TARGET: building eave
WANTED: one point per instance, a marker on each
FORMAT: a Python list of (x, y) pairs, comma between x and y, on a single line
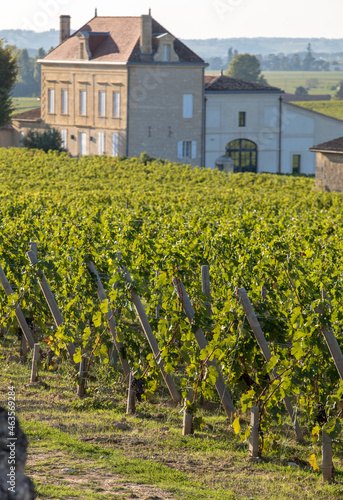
[(242, 91), (83, 62)]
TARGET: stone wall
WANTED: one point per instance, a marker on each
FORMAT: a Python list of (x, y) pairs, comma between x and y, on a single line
[(329, 171)]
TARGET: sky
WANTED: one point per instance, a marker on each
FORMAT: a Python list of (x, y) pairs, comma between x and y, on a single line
[(190, 19)]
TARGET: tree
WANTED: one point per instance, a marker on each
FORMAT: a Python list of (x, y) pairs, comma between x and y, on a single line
[(301, 91), (49, 139), (339, 93), (245, 67), (8, 75)]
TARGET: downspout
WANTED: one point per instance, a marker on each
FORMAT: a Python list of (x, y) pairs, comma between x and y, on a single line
[(280, 134), (127, 110), (203, 159)]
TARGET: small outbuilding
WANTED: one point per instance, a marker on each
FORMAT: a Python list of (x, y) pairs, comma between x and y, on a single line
[(329, 165)]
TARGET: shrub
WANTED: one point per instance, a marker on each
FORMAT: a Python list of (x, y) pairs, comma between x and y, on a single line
[(50, 139)]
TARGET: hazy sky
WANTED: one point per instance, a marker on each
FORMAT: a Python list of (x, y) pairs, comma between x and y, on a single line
[(190, 18)]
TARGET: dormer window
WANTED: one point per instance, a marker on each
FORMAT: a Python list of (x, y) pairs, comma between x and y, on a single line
[(165, 48), (166, 53)]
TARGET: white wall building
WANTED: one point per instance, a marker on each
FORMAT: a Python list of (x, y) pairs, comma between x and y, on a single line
[(261, 133)]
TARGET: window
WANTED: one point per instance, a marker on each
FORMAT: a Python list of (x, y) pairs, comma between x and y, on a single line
[(116, 104), (187, 149), (166, 53), (82, 143), (115, 143), (102, 103), (101, 143), (241, 119), (296, 162), (83, 102), (244, 154), (64, 138), (64, 102), (188, 106), (51, 101)]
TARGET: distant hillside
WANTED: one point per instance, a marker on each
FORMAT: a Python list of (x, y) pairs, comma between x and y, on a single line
[(216, 47), (30, 39)]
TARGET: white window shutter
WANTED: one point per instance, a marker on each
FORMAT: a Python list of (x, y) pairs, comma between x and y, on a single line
[(194, 149), (115, 142), (188, 106), (102, 103), (101, 143), (116, 104), (64, 138), (180, 149)]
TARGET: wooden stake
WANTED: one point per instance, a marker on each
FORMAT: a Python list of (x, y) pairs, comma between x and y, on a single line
[(187, 416), (131, 396), (223, 393), (206, 287), (151, 339), (331, 340), (35, 358), (81, 388), (111, 321), (49, 297), (254, 434), (18, 312), (261, 340), (327, 466), (23, 349)]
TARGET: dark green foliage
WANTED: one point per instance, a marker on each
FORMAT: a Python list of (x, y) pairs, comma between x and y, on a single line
[(245, 67), (50, 139), (301, 90), (8, 74)]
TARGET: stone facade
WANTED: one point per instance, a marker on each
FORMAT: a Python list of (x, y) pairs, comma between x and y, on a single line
[(329, 171), (101, 116), (124, 86)]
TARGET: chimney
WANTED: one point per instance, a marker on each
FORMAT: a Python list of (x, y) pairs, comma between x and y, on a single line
[(64, 28), (146, 34)]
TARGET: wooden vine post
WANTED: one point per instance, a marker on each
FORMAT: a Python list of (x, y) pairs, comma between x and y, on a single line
[(18, 312), (261, 340), (187, 427), (254, 432), (131, 396), (35, 358), (223, 393), (82, 382), (111, 321), (327, 465), (206, 287), (51, 301), (151, 338)]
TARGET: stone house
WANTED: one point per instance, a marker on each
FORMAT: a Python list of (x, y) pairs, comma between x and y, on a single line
[(252, 124), (124, 85), (329, 165)]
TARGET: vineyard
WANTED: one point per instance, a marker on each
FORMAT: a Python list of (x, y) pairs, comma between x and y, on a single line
[(124, 245)]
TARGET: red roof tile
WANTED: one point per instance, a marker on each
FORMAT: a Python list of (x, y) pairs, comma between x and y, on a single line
[(227, 83), (117, 40), (334, 146), (32, 114)]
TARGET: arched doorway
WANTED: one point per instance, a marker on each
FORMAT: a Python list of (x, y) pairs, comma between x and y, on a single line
[(244, 154)]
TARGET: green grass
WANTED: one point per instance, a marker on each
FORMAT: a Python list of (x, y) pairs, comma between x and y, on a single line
[(290, 80), (22, 104), (330, 108), (76, 452)]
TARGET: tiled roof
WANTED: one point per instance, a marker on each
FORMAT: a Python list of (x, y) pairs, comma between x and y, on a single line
[(117, 40), (227, 83), (33, 115), (335, 146)]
